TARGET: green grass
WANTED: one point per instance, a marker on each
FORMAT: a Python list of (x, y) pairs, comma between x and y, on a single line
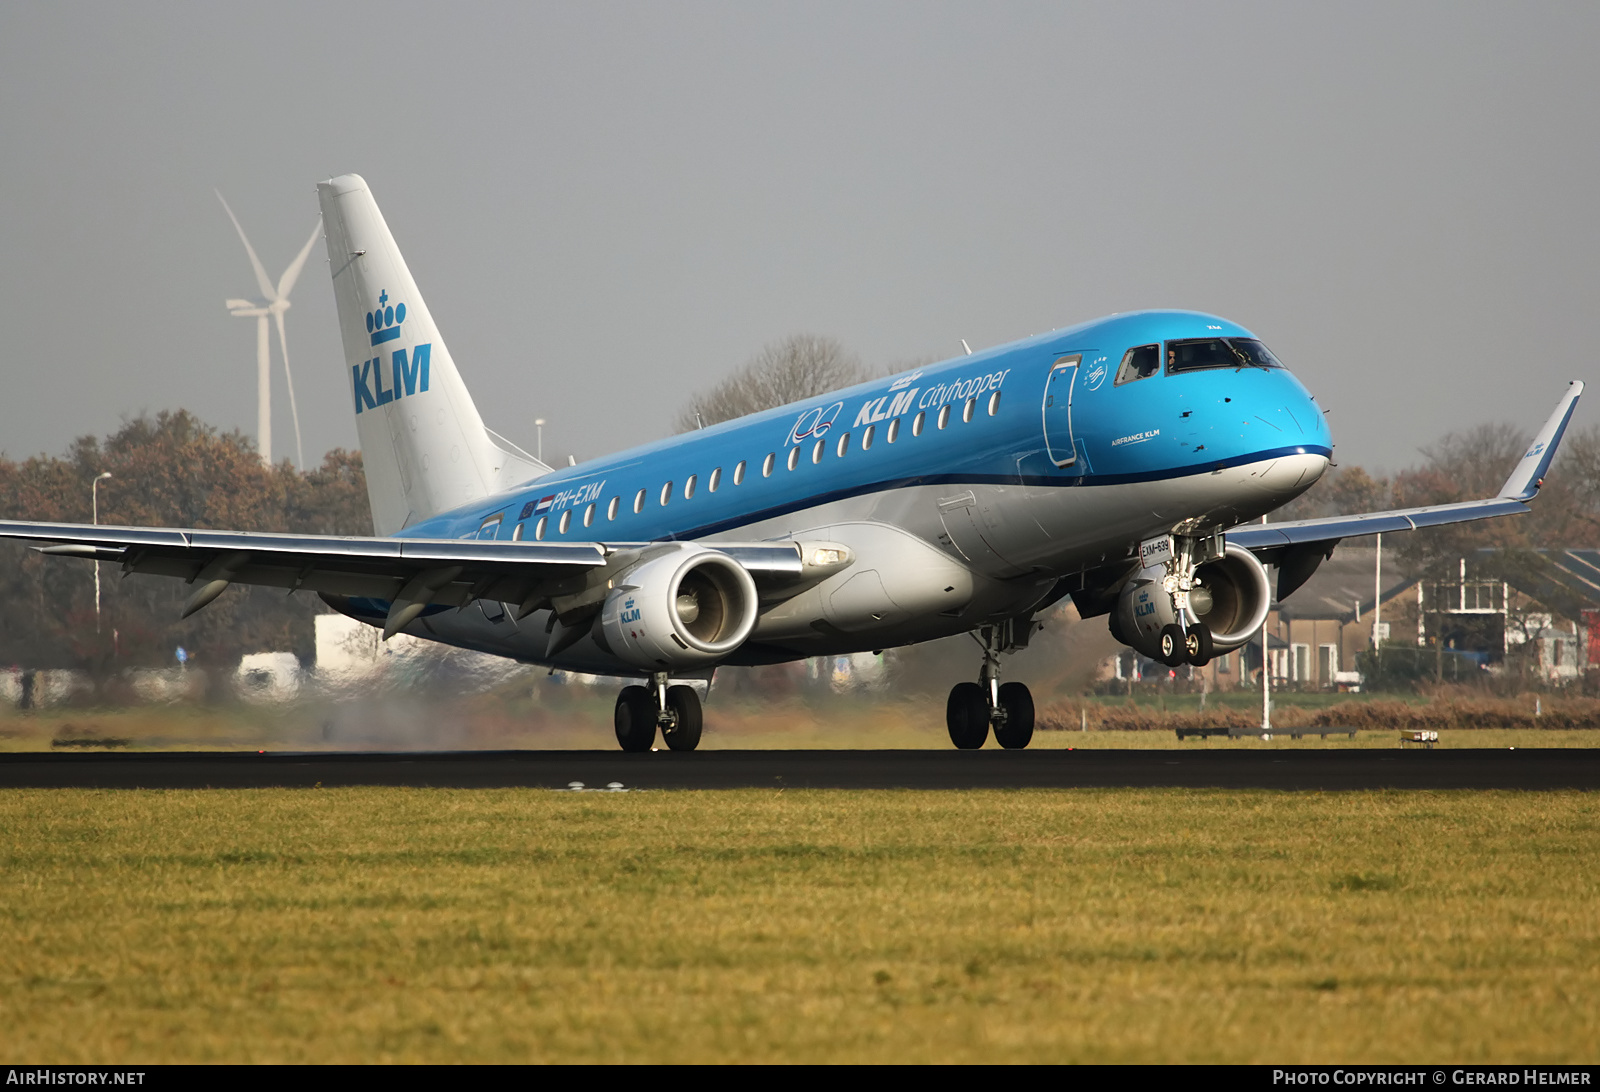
[(519, 925)]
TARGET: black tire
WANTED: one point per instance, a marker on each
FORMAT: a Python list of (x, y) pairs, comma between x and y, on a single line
[(1017, 731), (966, 714), (684, 704), (636, 719), (1171, 647), (1197, 644)]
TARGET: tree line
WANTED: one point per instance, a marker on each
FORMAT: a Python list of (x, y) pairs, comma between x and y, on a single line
[(170, 470)]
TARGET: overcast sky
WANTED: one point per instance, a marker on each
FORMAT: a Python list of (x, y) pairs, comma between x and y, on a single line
[(611, 205)]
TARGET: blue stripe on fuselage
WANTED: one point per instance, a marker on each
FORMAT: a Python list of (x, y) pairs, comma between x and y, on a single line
[(1162, 427)]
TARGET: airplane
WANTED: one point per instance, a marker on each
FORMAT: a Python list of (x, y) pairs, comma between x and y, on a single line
[(1120, 462)]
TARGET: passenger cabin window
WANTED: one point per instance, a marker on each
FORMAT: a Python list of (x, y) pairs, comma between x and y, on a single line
[(968, 410), (666, 494), (766, 465), (715, 480), (538, 528), (944, 415), (1197, 353), (817, 449), (1139, 362), (588, 515), (638, 502), (916, 422), (894, 430), (566, 521), (688, 486), (611, 509), (794, 457), (844, 444), (738, 473), (994, 403), (866, 437), (516, 534)]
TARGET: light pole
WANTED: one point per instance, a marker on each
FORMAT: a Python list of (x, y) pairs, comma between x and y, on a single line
[(94, 518), (538, 451)]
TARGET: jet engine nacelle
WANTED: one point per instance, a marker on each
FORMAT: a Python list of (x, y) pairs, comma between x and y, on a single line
[(1231, 596), (683, 609)]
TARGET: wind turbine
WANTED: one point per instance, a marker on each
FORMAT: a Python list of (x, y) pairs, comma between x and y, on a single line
[(276, 302)]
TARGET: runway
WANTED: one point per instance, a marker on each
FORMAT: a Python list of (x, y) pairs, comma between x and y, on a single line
[(1310, 770)]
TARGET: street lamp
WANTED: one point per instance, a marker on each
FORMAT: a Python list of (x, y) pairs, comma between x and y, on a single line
[(94, 518), (538, 423)]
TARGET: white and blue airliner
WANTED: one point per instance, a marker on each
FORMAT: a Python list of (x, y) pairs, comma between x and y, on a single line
[(1120, 462)]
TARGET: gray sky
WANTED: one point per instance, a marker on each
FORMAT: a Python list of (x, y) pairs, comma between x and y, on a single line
[(610, 205)]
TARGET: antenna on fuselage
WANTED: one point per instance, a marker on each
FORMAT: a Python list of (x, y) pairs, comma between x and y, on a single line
[(965, 346)]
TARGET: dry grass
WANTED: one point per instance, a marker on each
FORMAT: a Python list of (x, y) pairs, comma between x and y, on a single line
[(583, 721), (1450, 714), (517, 925)]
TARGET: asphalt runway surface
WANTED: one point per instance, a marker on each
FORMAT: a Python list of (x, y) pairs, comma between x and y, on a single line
[(1308, 770)]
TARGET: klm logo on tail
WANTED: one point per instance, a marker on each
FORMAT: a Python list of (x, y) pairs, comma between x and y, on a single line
[(408, 373)]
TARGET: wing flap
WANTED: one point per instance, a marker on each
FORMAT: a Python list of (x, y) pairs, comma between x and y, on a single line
[(358, 567), (1265, 536), (378, 568)]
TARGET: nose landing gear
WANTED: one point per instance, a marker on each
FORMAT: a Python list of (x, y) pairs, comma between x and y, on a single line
[(673, 709), (1188, 641), (973, 708)]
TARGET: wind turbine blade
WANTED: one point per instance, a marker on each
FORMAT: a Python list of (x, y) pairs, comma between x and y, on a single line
[(286, 282), (261, 274), (299, 451)]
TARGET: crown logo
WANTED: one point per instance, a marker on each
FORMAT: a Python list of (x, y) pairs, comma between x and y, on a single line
[(384, 323)]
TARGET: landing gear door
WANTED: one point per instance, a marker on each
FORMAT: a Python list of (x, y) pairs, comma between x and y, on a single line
[(1058, 438)]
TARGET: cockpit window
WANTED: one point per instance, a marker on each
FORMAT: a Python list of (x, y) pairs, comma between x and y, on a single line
[(1193, 354), (1258, 353), (1139, 362)]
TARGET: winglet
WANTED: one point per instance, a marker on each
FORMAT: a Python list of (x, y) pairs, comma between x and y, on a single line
[(1529, 474)]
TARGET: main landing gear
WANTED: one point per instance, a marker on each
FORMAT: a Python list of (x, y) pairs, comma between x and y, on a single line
[(974, 708), (643, 709)]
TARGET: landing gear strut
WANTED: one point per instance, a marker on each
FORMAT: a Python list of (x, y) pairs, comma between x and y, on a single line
[(673, 709), (1189, 641), (974, 708)]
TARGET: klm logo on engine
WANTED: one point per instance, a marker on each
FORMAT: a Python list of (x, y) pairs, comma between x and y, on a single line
[(406, 373)]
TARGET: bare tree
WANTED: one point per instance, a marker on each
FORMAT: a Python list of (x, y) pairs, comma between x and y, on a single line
[(797, 367)]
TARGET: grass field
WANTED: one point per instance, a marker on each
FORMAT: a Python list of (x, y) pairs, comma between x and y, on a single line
[(520, 925)]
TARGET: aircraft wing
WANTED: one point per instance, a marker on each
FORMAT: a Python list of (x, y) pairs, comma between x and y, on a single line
[(1521, 487), (408, 573)]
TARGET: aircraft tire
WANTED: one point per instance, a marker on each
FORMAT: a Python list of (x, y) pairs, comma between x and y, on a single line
[(685, 705), (1197, 644), (636, 719), (1017, 731), (1171, 646), (966, 715)]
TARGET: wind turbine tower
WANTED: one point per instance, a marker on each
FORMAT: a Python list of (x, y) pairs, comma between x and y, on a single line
[(274, 303)]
